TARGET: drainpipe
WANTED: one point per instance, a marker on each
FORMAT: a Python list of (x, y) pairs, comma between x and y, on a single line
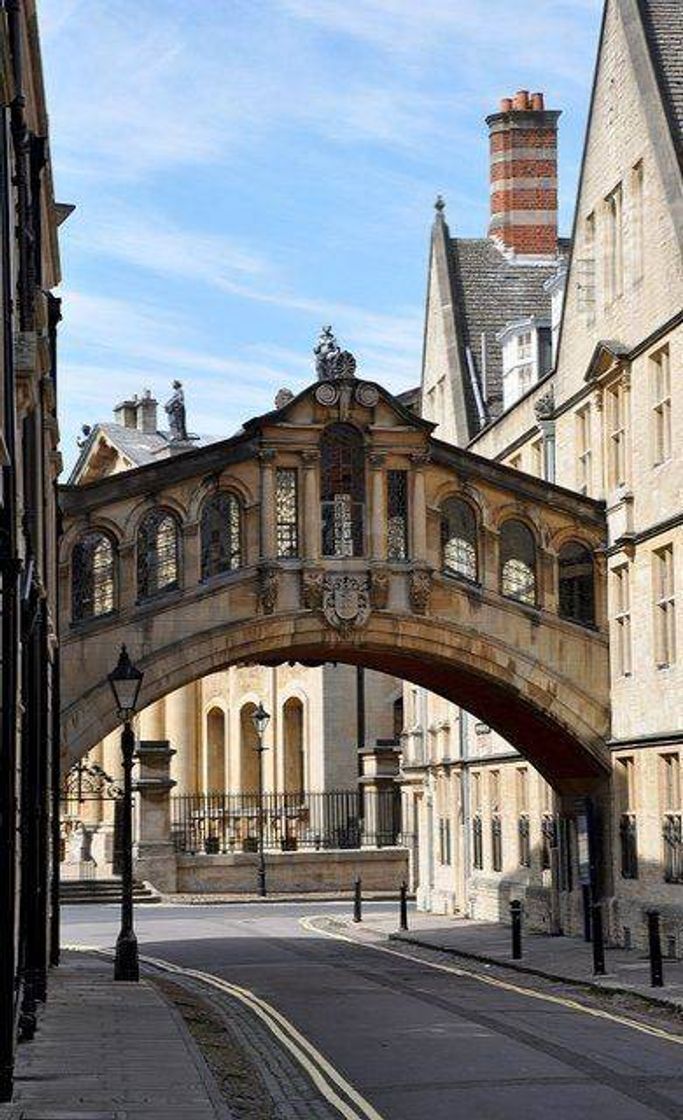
[(466, 807)]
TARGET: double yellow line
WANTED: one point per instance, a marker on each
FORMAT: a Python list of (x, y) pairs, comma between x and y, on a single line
[(332, 1085), (493, 982)]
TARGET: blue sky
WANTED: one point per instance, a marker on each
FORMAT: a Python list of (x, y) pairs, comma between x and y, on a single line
[(246, 170)]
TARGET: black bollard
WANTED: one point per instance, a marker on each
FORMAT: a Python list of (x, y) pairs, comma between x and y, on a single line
[(357, 902), (403, 907), (654, 939), (598, 940), (516, 916)]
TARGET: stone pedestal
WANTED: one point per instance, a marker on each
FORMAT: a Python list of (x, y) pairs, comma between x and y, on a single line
[(154, 854)]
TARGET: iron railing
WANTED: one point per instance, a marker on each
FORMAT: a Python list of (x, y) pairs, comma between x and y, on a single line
[(219, 823), (628, 837), (672, 832)]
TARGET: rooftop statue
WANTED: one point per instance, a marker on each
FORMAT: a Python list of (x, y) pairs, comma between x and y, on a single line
[(175, 410), (331, 363)]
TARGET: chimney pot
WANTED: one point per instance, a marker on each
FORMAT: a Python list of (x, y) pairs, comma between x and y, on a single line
[(537, 102), (505, 104), (521, 99)]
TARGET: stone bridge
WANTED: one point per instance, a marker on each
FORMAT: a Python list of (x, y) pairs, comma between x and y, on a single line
[(337, 528)]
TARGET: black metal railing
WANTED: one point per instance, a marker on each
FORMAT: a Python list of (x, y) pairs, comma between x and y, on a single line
[(672, 832), (628, 838), (218, 823)]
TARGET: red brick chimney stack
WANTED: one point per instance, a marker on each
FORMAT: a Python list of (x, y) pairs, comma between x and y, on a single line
[(523, 137)]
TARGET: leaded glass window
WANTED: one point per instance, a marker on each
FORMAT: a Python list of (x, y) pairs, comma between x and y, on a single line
[(518, 562), (220, 535), (93, 572), (397, 514), (577, 592), (459, 538), (287, 508), (158, 553), (342, 490)]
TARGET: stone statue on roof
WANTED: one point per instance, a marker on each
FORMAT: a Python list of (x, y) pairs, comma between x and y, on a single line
[(331, 363), (175, 410)]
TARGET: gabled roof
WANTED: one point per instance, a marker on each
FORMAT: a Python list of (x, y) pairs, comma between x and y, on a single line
[(607, 353), (663, 25), (491, 291), (138, 448)]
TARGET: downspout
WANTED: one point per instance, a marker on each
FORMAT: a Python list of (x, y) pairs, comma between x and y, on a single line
[(466, 809)]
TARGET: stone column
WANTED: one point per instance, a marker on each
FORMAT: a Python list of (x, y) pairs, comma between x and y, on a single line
[(310, 507), (127, 589), (378, 511), (181, 732), (154, 854), (268, 534), (418, 517)]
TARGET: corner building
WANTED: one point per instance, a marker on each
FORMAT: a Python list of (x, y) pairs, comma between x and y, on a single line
[(565, 361)]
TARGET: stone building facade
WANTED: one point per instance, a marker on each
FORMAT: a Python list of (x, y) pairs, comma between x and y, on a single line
[(29, 465), (603, 419)]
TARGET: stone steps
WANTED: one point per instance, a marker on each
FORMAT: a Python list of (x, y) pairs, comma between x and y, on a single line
[(75, 891)]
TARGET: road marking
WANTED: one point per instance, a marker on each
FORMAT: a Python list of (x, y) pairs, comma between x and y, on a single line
[(493, 982), (329, 1081)]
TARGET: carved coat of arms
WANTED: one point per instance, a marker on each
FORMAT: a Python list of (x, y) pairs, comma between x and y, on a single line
[(346, 601)]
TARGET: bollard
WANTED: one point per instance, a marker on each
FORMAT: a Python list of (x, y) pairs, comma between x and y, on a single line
[(598, 940), (357, 902), (586, 898), (403, 907), (656, 970), (516, 916)]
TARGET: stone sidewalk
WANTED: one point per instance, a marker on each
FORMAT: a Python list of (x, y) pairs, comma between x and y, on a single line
[(110, 1051), (557, 958)]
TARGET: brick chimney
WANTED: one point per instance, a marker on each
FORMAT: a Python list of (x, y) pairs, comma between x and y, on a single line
[(523, 139)]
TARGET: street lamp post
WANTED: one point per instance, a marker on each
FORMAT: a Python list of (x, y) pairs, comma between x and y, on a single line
[(260, 718), (125, 681)]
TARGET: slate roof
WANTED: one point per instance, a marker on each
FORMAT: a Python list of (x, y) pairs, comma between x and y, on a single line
[(139, 447), (663, 24), (491, 291)]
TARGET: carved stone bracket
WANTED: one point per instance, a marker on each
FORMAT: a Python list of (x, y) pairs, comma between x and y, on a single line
[(420, 459), (544, 407), (379, 588), (268, 586), (312, 582), (346, 602), (420, 589)]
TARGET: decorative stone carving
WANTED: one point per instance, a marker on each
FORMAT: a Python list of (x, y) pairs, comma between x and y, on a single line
[(544, 407), (312, 583), (268, 586), (367, 395), (420, 590), (346, 602), (327, 394), (420, 459), (175, 410), (331, 363), (379, 588), (283, 397)]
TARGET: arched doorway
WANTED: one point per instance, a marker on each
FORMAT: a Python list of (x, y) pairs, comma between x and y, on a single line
[(249, 755), (293, 737), (215, 751)]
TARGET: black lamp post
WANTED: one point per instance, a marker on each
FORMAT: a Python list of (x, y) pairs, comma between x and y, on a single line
[(260, 719), (125, 681)]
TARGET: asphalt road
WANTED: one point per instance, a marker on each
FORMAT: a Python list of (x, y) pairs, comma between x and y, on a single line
[(418, 1043)]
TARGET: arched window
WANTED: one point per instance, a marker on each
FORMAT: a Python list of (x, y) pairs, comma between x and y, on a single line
[(293, 728), (342, 490), (215, 751), (577, 588), (249, 755), (518, 562), (220, 535), (93, 576), (459, 538), (158, 553)]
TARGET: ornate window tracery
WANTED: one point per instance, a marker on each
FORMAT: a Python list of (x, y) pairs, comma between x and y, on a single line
[(220, 532), (93, 576), (342, 490), (518, 562), (158, 553), (287, 510), (577, 587), (397, 515), (459, 538)]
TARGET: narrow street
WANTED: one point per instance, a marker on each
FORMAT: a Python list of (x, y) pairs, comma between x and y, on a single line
[(414, 1040)]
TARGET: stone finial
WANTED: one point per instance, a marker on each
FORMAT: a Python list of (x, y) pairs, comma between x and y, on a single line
[(439, 205), (283, 397), (82, 439), (331, 363)]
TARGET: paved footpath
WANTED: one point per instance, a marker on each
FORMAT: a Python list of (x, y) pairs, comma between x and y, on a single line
[(110, 1051), (558, 958)]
